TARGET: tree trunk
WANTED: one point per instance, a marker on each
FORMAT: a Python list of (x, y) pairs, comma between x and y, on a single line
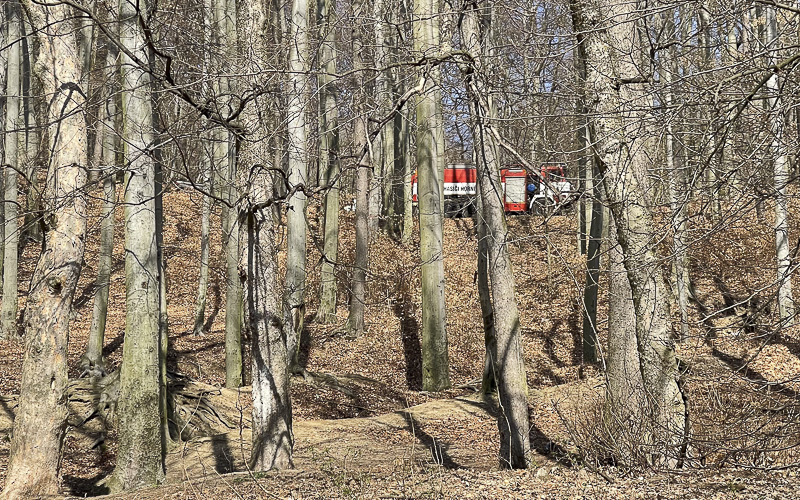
[(202, 288), (508, 363), (294, 292), (435, 362), (489, 380), (272, 408), (781, 178), (225, 13), (355, 321), (592, 275), (8, 313), (611, 56), (40, 423), (140, 441), (625, 394), (329, 152)]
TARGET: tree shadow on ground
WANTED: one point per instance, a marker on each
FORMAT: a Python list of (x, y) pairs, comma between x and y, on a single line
[(223, 455), (439, 449), (409, 335), (739, 365), (304, 343), (114, 344), (216, 305), (539, 441), (88, 292), (86, 486)]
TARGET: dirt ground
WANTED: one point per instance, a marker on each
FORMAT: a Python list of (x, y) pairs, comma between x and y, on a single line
[(364, 429)]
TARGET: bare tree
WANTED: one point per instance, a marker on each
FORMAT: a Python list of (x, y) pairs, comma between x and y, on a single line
[(35, 457)]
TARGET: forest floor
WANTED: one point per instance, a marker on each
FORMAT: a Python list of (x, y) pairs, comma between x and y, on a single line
[(363, 427)]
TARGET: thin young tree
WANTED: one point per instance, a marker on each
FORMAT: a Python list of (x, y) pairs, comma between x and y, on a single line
[(329, 153), (92, 361), (355, 321), (14, 124), (41, 416)]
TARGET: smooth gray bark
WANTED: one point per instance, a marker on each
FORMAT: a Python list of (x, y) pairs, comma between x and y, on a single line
[(612, 55), (8, 312), (298, 86), (435, 361), (781, 177), (272, 409), (508, 362), (625, 394), (329, 152)]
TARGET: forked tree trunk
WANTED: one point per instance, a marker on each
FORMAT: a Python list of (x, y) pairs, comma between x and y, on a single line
[(508, 362), (612, 57), (299, 66), (435, 360), (140, 441), (35, 455), (329, 152), (355, 321), (8, 312)]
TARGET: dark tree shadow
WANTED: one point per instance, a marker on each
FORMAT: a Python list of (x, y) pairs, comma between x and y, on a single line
[(739, 366), (409, 335), (89, 290), (216, 304), (223, 455), (86, 486), (439, 449), (304, 343), (114, 344)]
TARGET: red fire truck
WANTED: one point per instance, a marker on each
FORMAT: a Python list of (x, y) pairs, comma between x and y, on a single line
[(460, 189)]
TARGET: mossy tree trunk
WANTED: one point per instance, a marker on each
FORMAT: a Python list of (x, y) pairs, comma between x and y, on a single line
[(140, 440), (435, 360)]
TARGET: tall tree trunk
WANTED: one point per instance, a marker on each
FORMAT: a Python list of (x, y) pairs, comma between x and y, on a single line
[(612, 55), (272, 408), (8, 313), (92, 361), (385, 88), (225, 13), (592, 276), (202, 288), (677, 183), (299, 67), (786, 309), (3, 103), (508, 363), (435, 361), (355, 321), (140, 442), (489, 380), (329, 152), (40, 423)]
